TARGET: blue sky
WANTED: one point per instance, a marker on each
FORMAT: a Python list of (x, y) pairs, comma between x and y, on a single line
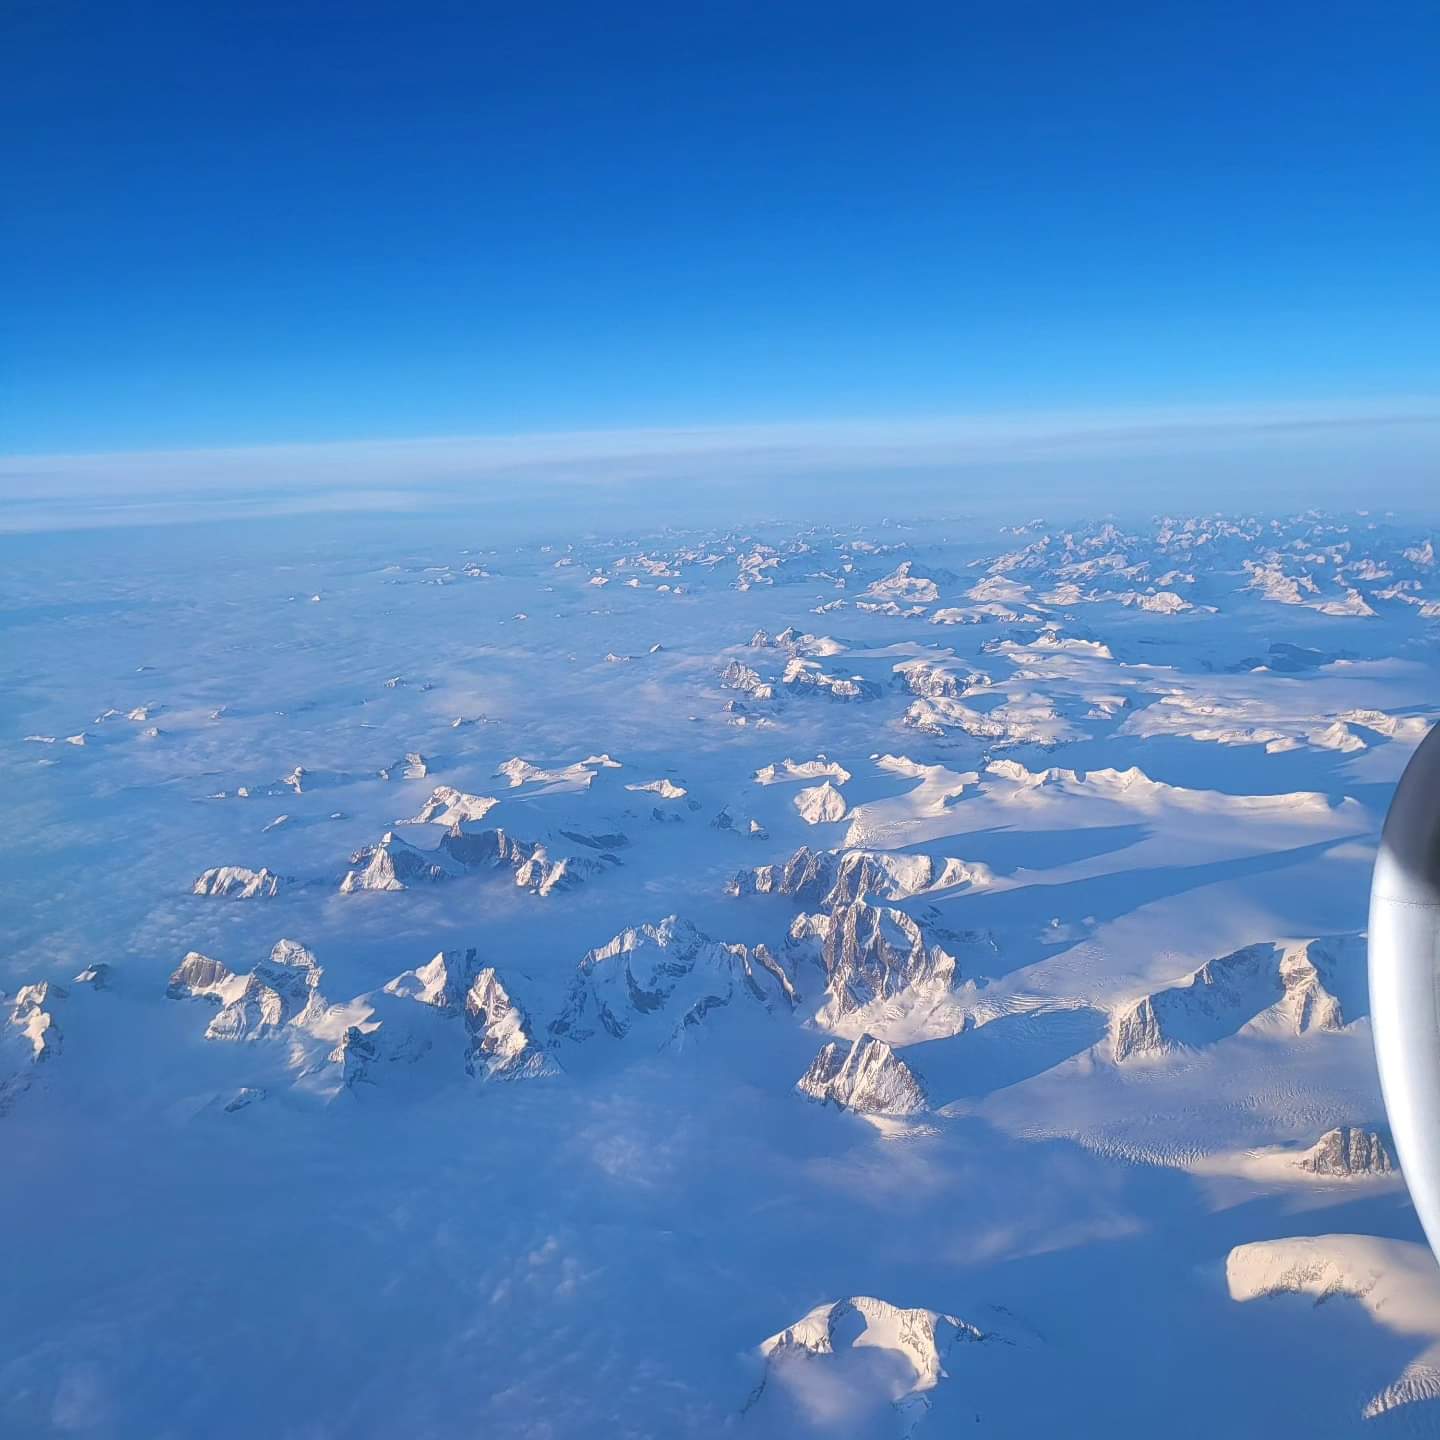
[(243, 225)]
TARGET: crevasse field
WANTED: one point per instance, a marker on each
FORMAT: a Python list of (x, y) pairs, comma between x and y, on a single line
[(900, 979)]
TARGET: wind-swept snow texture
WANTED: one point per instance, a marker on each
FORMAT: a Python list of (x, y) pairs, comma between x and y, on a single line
[(762, 982)]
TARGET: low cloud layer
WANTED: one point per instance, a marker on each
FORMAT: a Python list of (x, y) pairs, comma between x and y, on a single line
[(1054, 455)]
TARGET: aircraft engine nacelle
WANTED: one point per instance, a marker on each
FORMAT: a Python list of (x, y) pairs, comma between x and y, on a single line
[(1405, 977)]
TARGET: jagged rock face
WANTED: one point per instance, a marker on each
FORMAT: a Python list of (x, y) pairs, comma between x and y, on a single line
[(868, 953), (806, 676), (282, 992), (544, 876), (479, 849), (293, 954), (238, 883), (861, 873), (449, 806), (781, 640), (746, 679), (1348, 1151), (671, 968), (360, 1051), (257, 1010), (97, 976), (391, 865), (825, 878), (1024, 718), (197, 976), (1305, 972), (273, 996), (1136, 1030), (499, 1043), (531, 863), (1228, 992), (502, 1046), (868, 1077), (933, 717), (934, 680), (355, 1054), (807, 876), (441, 982)]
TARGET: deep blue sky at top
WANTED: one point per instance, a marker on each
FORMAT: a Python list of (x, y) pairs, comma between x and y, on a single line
[(235, 223)]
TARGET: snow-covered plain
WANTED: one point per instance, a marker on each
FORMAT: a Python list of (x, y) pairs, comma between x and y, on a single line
[(420, 981)]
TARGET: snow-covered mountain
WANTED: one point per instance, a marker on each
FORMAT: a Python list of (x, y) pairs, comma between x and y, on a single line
[(868, 1077), (920, 1342), (1289, 984), (449, 806), (530, 861), (395, 864), (253, 1003), (392, 863), (820, 804), (663, 981), (32, 1015), (877, 964), (1346, 1150), (825, 878), (502, 1040), (902, 584), (239, 883)]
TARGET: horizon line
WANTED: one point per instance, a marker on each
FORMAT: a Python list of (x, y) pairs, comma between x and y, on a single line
[(995, 430)]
